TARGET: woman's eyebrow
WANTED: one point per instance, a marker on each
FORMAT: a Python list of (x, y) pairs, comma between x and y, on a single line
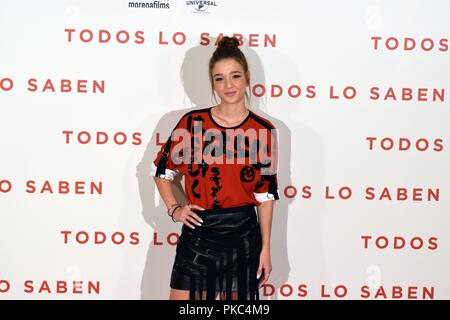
[(220, 74)]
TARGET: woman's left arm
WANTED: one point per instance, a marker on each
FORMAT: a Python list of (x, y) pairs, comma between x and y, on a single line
[(265, 213)]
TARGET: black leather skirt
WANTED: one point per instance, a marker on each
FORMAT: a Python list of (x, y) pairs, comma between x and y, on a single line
[(220, 256)]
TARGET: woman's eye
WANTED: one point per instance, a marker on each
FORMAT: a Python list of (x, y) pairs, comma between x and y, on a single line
[(236, 76), (218, 79)]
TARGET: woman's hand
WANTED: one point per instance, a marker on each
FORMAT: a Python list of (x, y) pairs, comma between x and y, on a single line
[(187, 216), (265, 267)]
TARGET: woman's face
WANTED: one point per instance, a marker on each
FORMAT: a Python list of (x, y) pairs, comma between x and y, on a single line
[(229, 80)]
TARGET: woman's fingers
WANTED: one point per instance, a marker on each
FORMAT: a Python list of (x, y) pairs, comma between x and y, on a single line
[(189, 217), (194, 206), (196, 217), (193, 220), (188, 224), (186, 217), (263, 280), (265, 276)]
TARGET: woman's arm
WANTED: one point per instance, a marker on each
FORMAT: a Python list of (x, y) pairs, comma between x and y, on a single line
[(265, 213), (182, 214), (165, 190)]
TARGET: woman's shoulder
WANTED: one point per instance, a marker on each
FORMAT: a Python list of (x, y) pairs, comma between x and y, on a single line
[(263, 121), (190, 116), (195, 112)]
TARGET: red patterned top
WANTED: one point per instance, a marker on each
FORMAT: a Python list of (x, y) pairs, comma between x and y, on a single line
[(223, 166)]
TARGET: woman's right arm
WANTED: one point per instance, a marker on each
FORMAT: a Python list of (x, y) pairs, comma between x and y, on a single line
[(182, 214)]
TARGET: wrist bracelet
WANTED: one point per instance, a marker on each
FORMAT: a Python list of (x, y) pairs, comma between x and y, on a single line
[(170, 208), (173, 211)]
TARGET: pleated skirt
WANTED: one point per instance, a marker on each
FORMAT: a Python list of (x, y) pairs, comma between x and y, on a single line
[(220, 256)]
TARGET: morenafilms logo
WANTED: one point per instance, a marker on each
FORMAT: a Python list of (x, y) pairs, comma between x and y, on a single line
[(149, 5), (201, 6)]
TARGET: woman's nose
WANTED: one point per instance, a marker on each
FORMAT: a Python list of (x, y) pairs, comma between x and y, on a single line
[(227, 83)]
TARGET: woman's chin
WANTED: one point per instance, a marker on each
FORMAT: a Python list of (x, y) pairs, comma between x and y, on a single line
[(234, 99)]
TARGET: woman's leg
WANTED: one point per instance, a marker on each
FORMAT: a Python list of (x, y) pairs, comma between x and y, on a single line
[(176, 294), (223, 296)]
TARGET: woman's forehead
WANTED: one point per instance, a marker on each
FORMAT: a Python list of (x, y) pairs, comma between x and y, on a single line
[(227, 66)]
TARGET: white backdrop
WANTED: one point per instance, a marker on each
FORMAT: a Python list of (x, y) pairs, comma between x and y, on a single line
[(363, 172)]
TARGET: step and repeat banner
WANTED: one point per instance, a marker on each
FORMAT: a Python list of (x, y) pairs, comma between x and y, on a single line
[(359, 93)]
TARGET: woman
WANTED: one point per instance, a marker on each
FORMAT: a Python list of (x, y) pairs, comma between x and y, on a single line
[(224, 246)]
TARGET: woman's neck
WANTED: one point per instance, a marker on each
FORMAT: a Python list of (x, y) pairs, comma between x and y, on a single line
[(231, 112)]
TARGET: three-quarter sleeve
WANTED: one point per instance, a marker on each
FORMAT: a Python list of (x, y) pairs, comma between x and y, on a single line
[(267, 187)]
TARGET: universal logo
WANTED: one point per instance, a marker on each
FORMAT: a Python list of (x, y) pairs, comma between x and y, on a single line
[(149, 5), (201, 6)]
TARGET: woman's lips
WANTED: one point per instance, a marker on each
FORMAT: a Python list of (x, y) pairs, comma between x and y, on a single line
[(230, 93)]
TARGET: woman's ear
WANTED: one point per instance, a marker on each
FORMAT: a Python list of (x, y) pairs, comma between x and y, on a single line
[(247, 77)]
